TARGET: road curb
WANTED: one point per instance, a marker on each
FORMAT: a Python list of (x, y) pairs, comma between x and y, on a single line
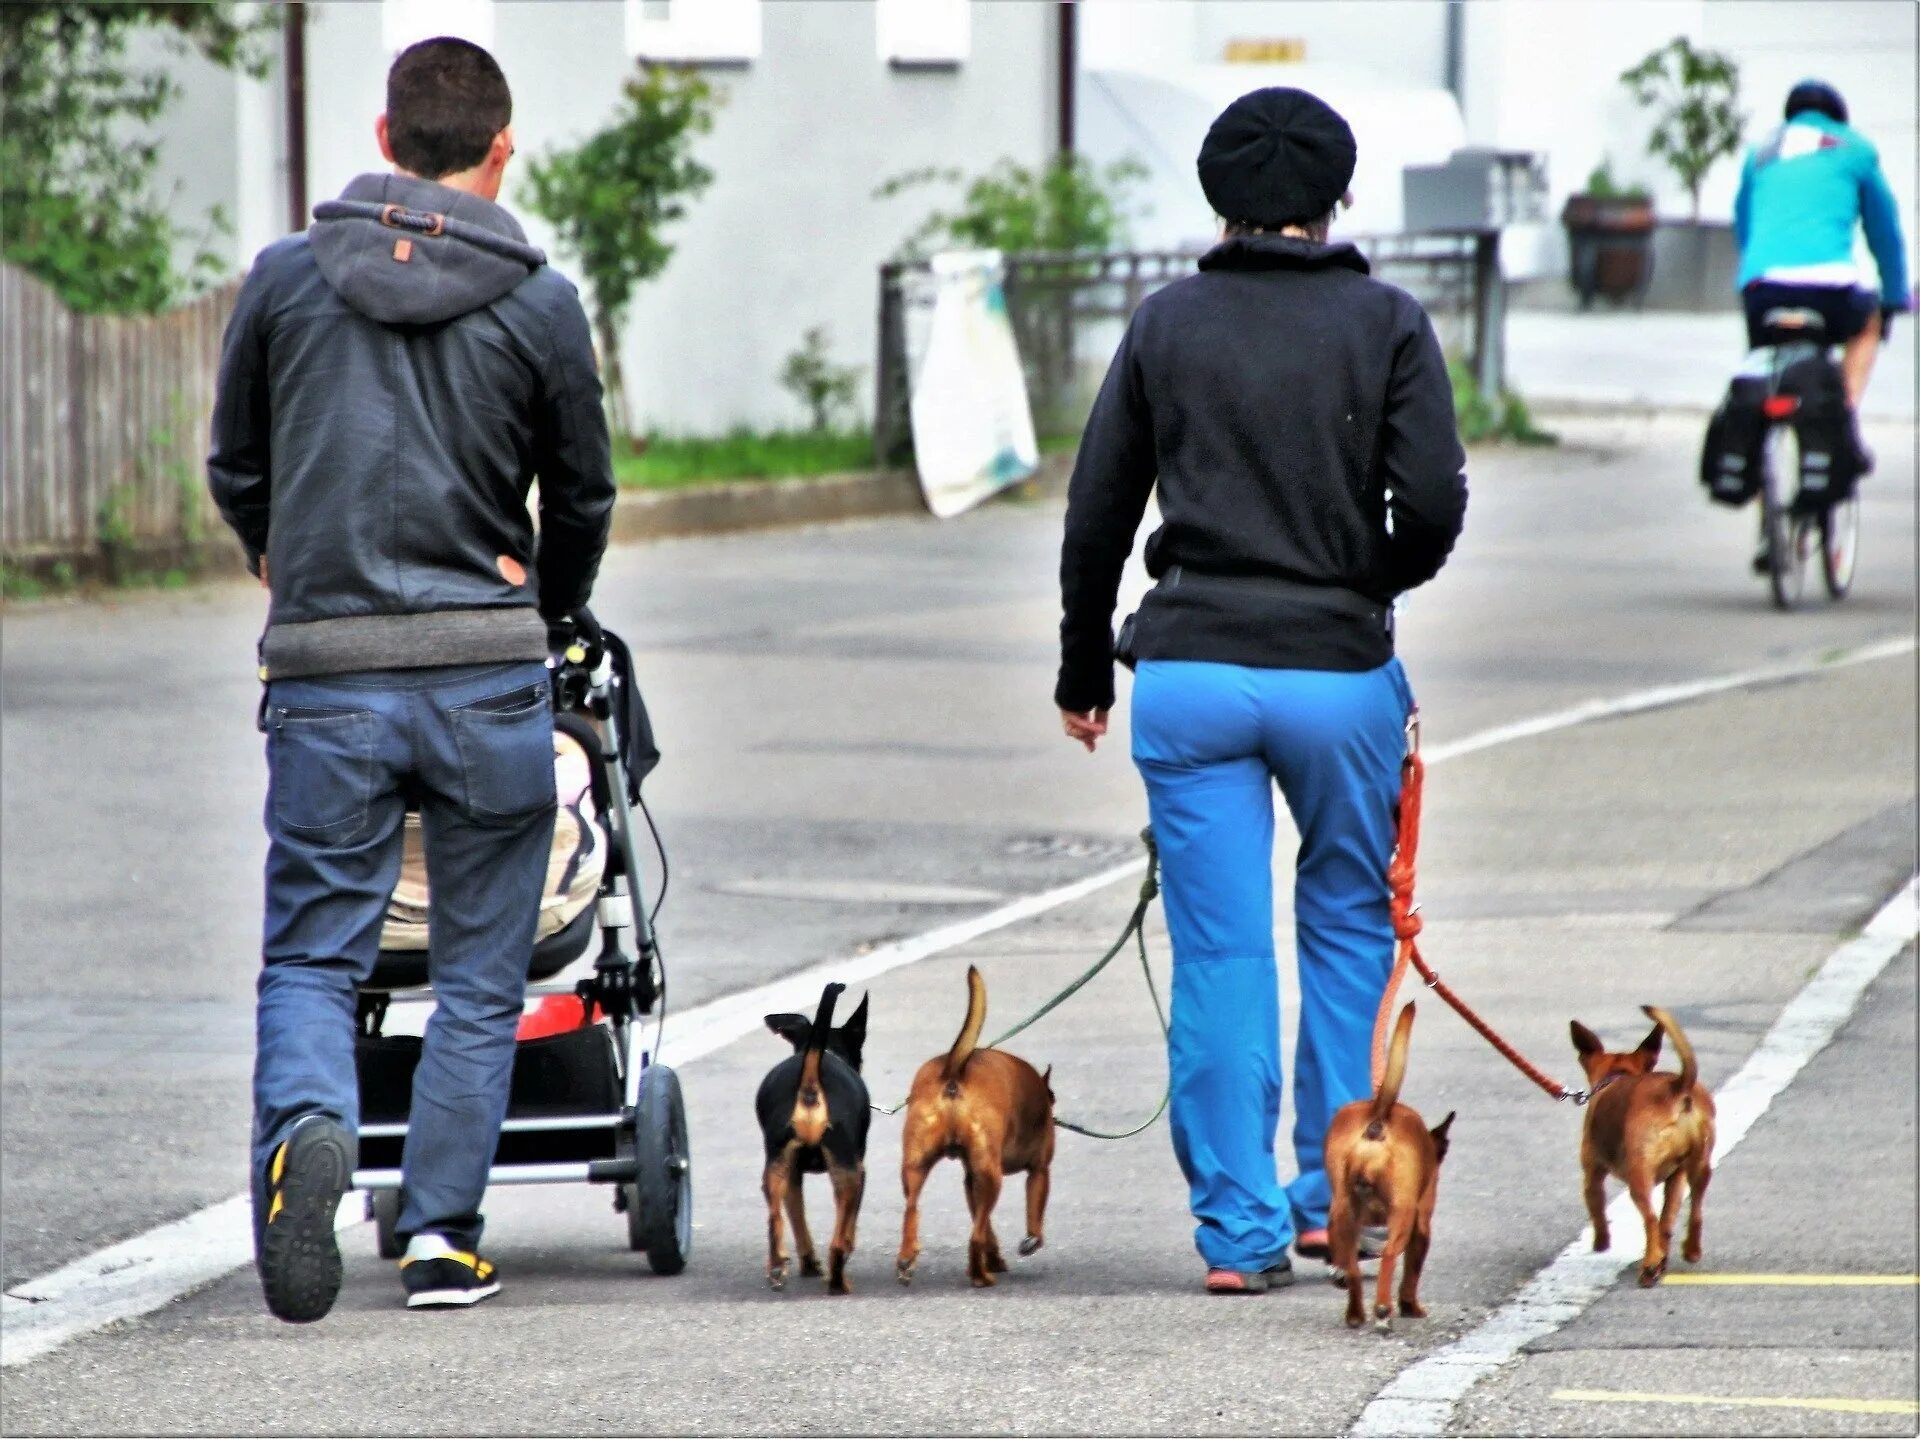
[(736, 506)]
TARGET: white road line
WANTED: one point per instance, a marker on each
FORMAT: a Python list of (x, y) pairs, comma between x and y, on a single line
[(136, 1277), (1421, 1399)]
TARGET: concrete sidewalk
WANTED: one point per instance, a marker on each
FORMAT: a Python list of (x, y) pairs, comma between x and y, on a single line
[(1651, 360)]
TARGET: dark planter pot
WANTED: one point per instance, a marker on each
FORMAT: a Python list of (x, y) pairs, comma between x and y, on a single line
[(1609, 242)]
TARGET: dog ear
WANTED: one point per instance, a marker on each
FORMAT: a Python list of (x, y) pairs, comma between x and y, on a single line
[(1650, 1046), (1046, 1080), (1585, 1041), (794, 1028), (855, 1029), (1440, 1132)]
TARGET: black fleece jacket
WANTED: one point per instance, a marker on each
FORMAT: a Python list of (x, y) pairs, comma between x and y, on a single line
[(1297, 417)]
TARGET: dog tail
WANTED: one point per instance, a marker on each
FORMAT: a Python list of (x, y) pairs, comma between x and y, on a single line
[(969, 1035), (809, 1106), (1388, 1094), (1689, 1071)]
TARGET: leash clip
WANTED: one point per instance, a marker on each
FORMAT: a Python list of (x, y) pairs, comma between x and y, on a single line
[(1578, 1096), (1413, 730)]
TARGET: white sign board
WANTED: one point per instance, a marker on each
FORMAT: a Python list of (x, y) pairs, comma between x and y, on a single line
[(972, 425)]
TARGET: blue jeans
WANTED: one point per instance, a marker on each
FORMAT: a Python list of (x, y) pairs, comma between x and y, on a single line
[(1210, 740), (474, 744)]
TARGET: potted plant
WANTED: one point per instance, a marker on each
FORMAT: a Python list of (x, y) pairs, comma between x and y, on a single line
[(1693, 97), (1608, 231)]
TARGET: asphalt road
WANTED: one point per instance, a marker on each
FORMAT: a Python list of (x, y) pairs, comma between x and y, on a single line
[(859, 747)]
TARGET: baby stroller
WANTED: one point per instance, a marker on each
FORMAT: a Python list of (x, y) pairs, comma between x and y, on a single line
[(588, 1103)]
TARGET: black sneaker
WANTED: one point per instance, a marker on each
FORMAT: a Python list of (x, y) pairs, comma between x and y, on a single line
[(298, 1255), (438, 1276)]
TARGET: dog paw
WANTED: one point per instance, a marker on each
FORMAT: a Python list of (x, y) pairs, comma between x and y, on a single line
[(1382, 1323), (1030, 1245), (1412, 1309), (1602, 1242), (983, 1279), (840, 1286), (1692, 1253), (777, 1276), (1650, 1275), (1355, 1319), (810, 1267), (903, 1270)]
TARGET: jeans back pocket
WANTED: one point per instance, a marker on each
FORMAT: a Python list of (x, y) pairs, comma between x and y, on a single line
[(506, 752), (320, 764)]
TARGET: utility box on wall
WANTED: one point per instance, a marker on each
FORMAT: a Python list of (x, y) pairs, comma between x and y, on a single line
[(1476, 189)]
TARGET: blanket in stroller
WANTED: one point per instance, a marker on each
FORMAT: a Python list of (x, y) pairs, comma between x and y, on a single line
[(574, 865)]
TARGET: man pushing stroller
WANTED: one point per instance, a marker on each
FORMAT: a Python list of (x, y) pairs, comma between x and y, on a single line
[(392, 382)]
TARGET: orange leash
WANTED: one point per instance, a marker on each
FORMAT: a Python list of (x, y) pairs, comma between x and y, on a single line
[(1407, 925)]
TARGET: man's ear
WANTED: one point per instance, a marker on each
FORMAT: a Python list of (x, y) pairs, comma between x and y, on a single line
[(386, 144), (1585, 1041), (794, 1028)]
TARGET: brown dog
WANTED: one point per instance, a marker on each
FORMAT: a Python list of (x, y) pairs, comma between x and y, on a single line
[(1384, 1166), (994, 1113), (1646, 1128)]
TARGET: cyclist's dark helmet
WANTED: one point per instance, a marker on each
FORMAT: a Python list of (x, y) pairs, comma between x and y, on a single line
[(1818, 96)]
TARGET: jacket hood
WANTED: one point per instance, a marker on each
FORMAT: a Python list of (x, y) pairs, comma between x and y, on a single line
[(405, 251), (1281, 252)]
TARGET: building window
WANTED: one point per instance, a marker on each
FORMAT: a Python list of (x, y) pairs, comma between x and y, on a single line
[(923, 34), (698, 32), (403, 22)]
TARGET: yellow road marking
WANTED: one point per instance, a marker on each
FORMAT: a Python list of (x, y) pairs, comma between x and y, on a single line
[(1832, 1406), (1807, 1280)]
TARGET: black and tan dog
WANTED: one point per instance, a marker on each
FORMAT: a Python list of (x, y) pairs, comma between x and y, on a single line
[(1646, 1128), (994, 1113), (814, 1115), (1384, 1166)]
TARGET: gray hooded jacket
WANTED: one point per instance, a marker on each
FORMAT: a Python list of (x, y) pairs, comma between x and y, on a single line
[(391, 384)]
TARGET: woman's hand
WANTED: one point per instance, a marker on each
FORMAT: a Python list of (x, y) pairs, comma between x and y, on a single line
[(1086, 728)]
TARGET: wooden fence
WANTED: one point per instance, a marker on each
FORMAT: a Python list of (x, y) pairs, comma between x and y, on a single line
[(103, 426)]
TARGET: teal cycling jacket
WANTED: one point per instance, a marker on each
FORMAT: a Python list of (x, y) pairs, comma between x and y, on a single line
[(1802, 191)]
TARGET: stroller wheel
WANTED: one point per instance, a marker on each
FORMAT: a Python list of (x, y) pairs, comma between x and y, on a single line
[(660, 1200), (383, 1208)]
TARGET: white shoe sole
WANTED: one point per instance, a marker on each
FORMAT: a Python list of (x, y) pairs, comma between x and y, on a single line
[(451, 1298)]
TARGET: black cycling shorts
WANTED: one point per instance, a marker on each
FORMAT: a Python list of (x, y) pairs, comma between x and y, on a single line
[(1845, 309)]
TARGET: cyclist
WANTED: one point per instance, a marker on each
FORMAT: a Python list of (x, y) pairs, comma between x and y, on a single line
[(1802, 191)]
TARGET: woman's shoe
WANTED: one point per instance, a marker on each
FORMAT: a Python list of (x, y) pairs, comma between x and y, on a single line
[(1250, 1281), (1313, 1243)]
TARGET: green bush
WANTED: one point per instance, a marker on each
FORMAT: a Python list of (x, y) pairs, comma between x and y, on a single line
[(1068, 204), (824, 389)]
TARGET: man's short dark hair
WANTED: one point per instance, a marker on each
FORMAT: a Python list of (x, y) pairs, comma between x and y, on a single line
[(446, 100)]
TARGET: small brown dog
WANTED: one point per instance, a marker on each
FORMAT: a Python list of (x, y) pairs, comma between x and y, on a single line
[(994, 1113), (1384, 1166), (1646, 1128)]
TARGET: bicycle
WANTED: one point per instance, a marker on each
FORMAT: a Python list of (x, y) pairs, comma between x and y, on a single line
[(1791, 523)]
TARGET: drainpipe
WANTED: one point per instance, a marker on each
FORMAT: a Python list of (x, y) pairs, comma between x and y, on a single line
[(293, 31), (1456, 52), (1069, 73)]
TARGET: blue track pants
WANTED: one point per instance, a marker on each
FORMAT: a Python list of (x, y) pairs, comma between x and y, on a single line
[(1210, 740)]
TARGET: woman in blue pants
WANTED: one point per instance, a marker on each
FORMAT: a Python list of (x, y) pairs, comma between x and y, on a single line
[(1296, 419)]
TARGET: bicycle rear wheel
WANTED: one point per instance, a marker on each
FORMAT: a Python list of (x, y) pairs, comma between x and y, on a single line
[(1787, 539), (1840, 545)]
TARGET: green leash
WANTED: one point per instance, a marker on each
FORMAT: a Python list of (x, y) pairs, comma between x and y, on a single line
[(1136, 931)]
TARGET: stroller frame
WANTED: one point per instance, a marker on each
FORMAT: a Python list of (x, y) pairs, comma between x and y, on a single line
[(638, 1143)]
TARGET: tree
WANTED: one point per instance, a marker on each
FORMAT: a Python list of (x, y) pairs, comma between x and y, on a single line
[(1694, 96), (77, 154), (824, 389), (612, 196), (1068, 204)]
